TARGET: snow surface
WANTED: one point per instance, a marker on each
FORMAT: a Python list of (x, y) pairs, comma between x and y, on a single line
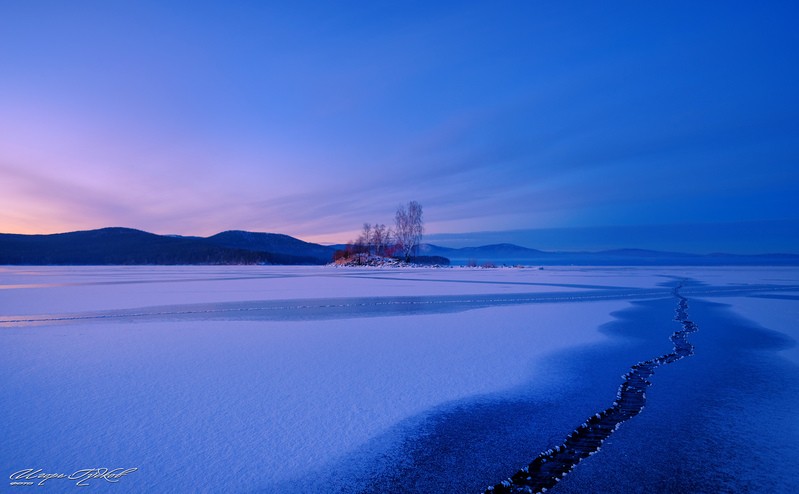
[(777, 314), (240, 404)]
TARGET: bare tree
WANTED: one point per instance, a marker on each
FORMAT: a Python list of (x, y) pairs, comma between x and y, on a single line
[(409, 228), (367, 238), (415, 214), (380, 239)]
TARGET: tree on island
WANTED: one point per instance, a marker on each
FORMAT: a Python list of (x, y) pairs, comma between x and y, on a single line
[(380, 240), (366, 239), (408, 229), (376, 240)]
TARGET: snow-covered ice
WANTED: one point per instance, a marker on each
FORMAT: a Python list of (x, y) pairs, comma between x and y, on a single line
[(187, 374)]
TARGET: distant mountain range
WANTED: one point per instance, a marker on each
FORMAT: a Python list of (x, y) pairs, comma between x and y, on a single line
[(510, 254), (120, 246), (128, 246)]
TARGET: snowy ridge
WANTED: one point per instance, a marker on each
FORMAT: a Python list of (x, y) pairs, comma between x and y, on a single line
[(546, 470)]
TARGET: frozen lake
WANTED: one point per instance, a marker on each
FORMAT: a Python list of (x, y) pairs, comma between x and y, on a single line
[(317, 379)]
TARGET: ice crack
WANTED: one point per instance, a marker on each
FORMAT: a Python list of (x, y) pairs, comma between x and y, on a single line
[(546, 470)]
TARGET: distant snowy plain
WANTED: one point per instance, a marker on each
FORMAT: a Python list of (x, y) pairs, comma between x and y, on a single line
[(318, 379)]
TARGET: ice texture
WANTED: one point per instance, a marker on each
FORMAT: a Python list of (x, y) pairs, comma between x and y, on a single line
[(252, 379)]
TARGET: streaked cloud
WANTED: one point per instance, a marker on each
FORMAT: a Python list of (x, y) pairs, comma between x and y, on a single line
[(191, 119)]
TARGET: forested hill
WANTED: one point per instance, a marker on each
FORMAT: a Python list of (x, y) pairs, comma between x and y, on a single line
[(275, 243), (108, 246)]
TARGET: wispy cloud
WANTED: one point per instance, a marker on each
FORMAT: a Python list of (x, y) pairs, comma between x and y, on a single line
[(312, 121)]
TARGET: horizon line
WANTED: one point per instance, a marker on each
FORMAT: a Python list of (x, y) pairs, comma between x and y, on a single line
[(487, 243)]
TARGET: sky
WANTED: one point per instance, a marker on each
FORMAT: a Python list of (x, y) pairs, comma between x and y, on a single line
[(310, 118)]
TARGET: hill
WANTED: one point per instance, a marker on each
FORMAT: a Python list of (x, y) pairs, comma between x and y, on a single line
[(275, 243), (128, 246)]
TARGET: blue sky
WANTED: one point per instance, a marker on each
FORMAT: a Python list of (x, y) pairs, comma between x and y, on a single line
[(309, 118)]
